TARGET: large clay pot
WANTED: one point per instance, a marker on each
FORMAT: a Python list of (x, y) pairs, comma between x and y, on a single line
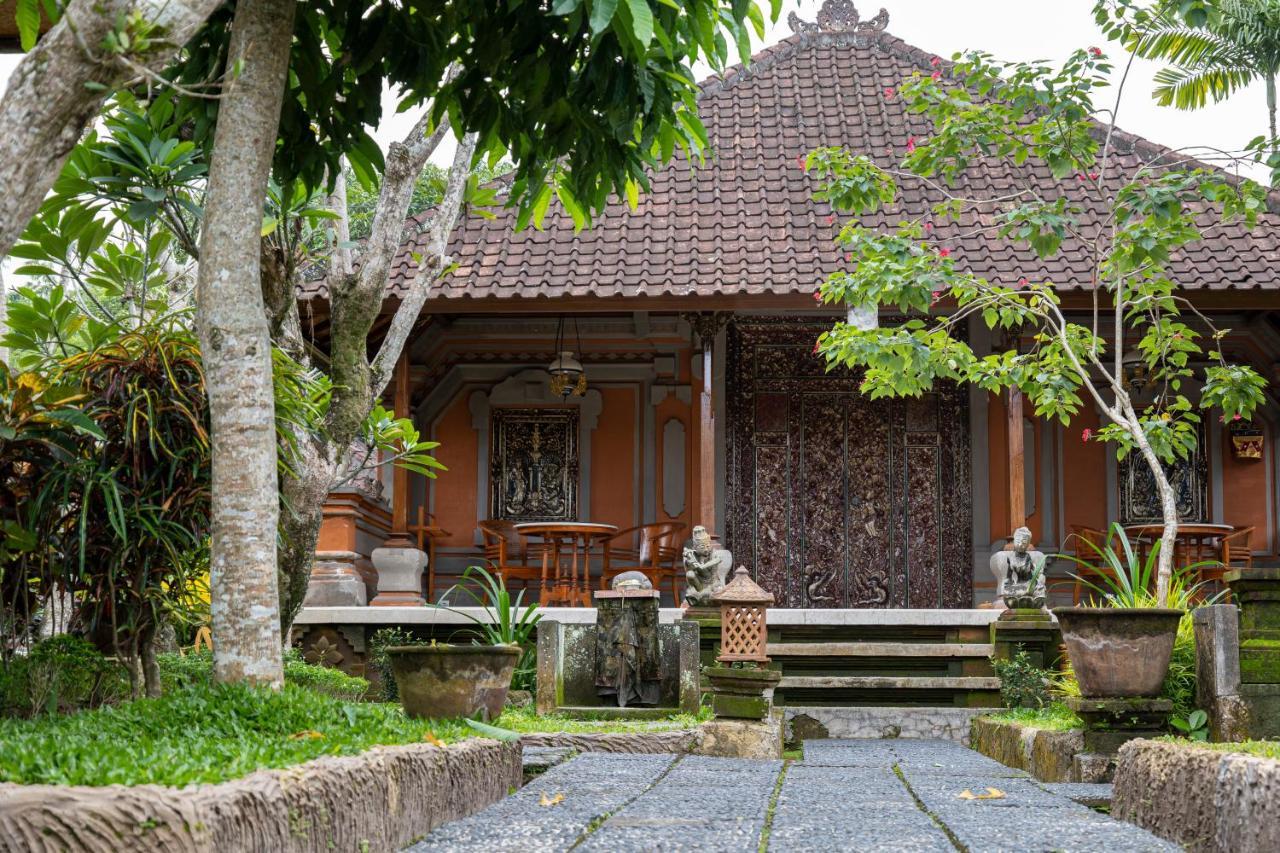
[(1119, 651), (453, 681)]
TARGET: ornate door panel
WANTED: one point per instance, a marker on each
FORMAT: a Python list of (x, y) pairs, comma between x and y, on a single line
[(835, 499)]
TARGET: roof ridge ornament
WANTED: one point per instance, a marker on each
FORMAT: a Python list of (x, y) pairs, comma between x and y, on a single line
[(839, 16)]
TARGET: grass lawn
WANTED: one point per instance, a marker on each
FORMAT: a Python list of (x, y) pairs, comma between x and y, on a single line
[(199, 732), (1055, 717)]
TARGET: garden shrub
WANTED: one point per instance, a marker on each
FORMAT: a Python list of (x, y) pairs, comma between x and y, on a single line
[(196, 669), (381, 664), (60, 674), (1022, 685)]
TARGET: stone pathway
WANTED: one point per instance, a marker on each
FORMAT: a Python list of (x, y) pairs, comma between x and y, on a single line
[(846, 795)]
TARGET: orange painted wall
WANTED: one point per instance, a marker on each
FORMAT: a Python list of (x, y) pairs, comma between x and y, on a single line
[(455, 489), (613, 458), (1084, 474), (1244, 491)]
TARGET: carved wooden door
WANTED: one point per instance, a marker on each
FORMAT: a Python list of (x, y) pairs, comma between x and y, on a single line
[(837, 500)]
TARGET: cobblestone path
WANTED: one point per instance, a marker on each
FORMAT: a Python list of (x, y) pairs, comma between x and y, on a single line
[(846, 795)]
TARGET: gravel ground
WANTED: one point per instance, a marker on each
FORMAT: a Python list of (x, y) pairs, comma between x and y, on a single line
[(895, 796)]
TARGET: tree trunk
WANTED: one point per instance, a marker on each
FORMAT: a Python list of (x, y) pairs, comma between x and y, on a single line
[(59, 87), (304, 496), (1271, 112), (237, 350), (150, 668), (1169, 511)]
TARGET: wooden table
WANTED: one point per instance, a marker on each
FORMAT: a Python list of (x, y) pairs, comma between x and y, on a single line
[(1194, 541), (558, 586)]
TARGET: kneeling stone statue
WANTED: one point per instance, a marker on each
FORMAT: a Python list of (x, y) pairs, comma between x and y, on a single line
[(1019, 574), (705, 568)]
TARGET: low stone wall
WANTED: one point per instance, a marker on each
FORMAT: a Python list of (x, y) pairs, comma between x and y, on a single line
[(380, 800), (678, 741), (813, 722), (1047, 755), (1203, 799)]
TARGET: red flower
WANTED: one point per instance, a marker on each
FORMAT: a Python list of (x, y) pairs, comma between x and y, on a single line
[(937, 75), (1236, 417), (800, 160), (1093, 176), (928, 226), (937, 297), (1096, 51), (817, 296), (944, 252), (831, 219), (849, 257), (911, 144), (1086, 434), (888, 91), (1022, 282), (935, 62), (1079, 176), (816, 344)]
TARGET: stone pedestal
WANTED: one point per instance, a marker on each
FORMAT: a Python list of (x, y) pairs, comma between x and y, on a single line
[(335, 581), (1110, 723), (1032, 630), (761, 739), (399, 576), (742, 694), (1257, 591), (1218, 688)]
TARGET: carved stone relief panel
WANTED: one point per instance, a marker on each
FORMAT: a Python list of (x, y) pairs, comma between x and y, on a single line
[(1139, 500), (533, 472)]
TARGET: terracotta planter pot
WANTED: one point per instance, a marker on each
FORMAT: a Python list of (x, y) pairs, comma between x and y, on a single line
[(453, 681), (1119, 651)]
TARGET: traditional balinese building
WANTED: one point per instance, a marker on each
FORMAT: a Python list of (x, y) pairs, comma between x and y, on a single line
[(693, 319)]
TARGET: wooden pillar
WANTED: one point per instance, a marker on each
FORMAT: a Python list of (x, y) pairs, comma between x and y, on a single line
[(707, 443), (399, 476), (1017, 461)]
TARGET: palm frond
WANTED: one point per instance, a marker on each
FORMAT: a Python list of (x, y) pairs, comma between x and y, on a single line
[(1190, 89)]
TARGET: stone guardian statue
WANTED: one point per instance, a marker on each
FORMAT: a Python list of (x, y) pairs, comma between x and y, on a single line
[(705, 568), (1019, 574)]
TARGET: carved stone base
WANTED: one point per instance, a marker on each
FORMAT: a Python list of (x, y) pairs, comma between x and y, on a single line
[(399, 577), (335, 581)]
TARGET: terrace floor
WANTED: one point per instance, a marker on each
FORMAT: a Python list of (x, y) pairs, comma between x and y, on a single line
[(873, 795)]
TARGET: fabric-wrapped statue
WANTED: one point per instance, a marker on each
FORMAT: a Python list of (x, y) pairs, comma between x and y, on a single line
[(705, 568)]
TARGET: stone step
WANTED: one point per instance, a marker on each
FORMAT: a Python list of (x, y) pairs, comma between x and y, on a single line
[(888, 682), (881, 650)]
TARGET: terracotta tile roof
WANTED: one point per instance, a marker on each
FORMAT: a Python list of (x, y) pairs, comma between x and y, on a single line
[(746, 222)]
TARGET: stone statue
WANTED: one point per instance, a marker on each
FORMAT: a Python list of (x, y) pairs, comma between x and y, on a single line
[(705, 568), (627, 662), (1019, 574)]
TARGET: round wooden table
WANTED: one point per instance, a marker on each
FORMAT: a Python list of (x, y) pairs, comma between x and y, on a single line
[(1194, 541), (558, 586)]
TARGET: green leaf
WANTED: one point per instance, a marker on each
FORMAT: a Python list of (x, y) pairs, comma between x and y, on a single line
[(602, 12), (28, 18), (642, 22)]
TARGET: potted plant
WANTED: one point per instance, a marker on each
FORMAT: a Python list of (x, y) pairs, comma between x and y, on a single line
[(467, 680), (1121, 644)]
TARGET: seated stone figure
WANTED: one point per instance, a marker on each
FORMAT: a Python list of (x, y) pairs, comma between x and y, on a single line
[(1019, 574), (705, 568)]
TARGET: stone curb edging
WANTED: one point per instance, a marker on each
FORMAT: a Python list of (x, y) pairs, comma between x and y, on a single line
[(1201, 798), (675, 741), (1046, 754), (379, 800)]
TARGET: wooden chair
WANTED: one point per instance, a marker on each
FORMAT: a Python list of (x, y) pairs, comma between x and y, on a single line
[(649, 548), (428, 532), (1234, 552), (508, 553), (1094, 569)]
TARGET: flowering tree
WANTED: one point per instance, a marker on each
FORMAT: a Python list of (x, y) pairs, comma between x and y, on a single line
[(1128, 216)]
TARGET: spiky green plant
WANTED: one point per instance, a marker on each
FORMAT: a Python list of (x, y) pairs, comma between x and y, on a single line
[(1130, 581), (506, 623)]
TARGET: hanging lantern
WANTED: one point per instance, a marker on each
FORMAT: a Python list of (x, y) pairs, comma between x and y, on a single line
[(744, 632), (568, 377)]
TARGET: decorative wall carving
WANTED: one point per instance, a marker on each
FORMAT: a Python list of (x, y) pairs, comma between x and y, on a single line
[(1139, 500), (835, 499), (533, 472)]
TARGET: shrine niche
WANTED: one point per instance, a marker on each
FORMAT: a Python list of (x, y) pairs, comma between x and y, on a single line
[(835, 499), (1139, 498), (533, 475)]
